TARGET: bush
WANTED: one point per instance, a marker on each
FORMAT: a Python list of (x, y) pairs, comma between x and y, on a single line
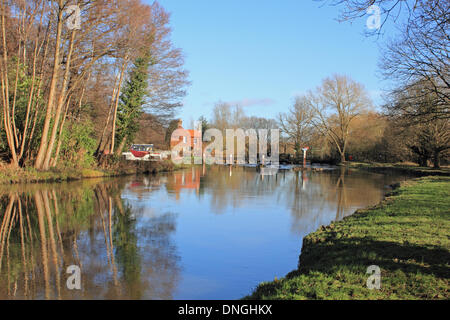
[(78, 145)]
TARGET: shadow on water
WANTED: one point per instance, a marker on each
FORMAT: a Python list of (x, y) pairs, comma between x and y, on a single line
[(125, 233)]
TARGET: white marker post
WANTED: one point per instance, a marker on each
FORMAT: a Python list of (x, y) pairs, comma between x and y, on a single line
[(305, 150)]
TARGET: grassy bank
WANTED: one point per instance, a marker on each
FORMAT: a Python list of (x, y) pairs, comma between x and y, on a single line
[(403, 168), (31, 175), (407, 236)]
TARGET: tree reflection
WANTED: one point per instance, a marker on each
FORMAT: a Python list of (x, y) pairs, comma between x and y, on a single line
[(46, 228), (313, 197), (127, 252), (184, 180)]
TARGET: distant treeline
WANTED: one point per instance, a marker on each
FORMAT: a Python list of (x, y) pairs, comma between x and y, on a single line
[(339, 122)]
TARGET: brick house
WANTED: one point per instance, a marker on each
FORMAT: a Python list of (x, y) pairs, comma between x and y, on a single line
[(195, 137)]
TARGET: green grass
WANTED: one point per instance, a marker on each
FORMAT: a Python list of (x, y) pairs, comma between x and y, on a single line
[(407, 236), (404, 168)]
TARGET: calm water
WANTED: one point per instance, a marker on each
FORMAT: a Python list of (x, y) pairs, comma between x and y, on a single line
[(194, 234)]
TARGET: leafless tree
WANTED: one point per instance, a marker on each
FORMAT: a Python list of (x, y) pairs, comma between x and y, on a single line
[(426, 135), (297, 123), (390, 9), (336, 103), (419, 54), (420, 59), (167, 77)]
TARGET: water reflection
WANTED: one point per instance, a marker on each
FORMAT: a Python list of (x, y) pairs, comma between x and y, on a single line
[(48, 228), (200, 233), (184, 180)]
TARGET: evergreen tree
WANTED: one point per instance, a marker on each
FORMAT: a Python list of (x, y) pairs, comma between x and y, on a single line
[(131, 103)]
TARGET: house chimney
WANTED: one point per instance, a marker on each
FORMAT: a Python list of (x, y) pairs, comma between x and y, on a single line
[(180, 124)]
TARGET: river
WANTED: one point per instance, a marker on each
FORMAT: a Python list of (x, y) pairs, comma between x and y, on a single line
[(201, 233)]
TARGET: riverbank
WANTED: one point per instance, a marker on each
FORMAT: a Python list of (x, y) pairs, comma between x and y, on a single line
[(403, 168), (407, 236), (31, 175)]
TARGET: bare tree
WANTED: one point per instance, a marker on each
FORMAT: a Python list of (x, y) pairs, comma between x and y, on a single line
[(59, 8), (222, 115), (423, 133), (421, 58), (429, 141), (389, 9), (336, 103), (167, 77), (420, 53), (297, 123)]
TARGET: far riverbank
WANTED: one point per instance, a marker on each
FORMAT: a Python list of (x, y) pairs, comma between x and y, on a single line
[(402, 168), (31, 175)]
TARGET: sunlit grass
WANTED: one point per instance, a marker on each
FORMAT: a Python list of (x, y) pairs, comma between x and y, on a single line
[(400, 167), (31, 175)]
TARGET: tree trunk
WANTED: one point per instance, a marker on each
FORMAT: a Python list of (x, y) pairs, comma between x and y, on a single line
[(54, 161), (436, 160), (52, 91), (37, 49), (342, 154), (46, 40), (5, 91), (121, 146), (60, 104), (101, 145), (113, 137), (297, 150), (423, 161)]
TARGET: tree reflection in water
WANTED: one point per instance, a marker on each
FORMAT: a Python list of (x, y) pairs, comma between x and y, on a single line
[(310, 195), (46, 228)]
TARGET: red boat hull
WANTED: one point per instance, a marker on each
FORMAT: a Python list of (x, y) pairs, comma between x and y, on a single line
[(139, 154)]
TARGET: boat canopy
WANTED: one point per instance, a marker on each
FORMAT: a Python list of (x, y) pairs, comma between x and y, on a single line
[(142, 147)]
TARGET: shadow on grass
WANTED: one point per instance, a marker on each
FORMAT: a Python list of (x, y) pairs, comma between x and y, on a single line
[(333, 254), (337, 268)]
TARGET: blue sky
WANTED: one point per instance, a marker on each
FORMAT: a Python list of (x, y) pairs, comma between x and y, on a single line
[(261, 53)]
